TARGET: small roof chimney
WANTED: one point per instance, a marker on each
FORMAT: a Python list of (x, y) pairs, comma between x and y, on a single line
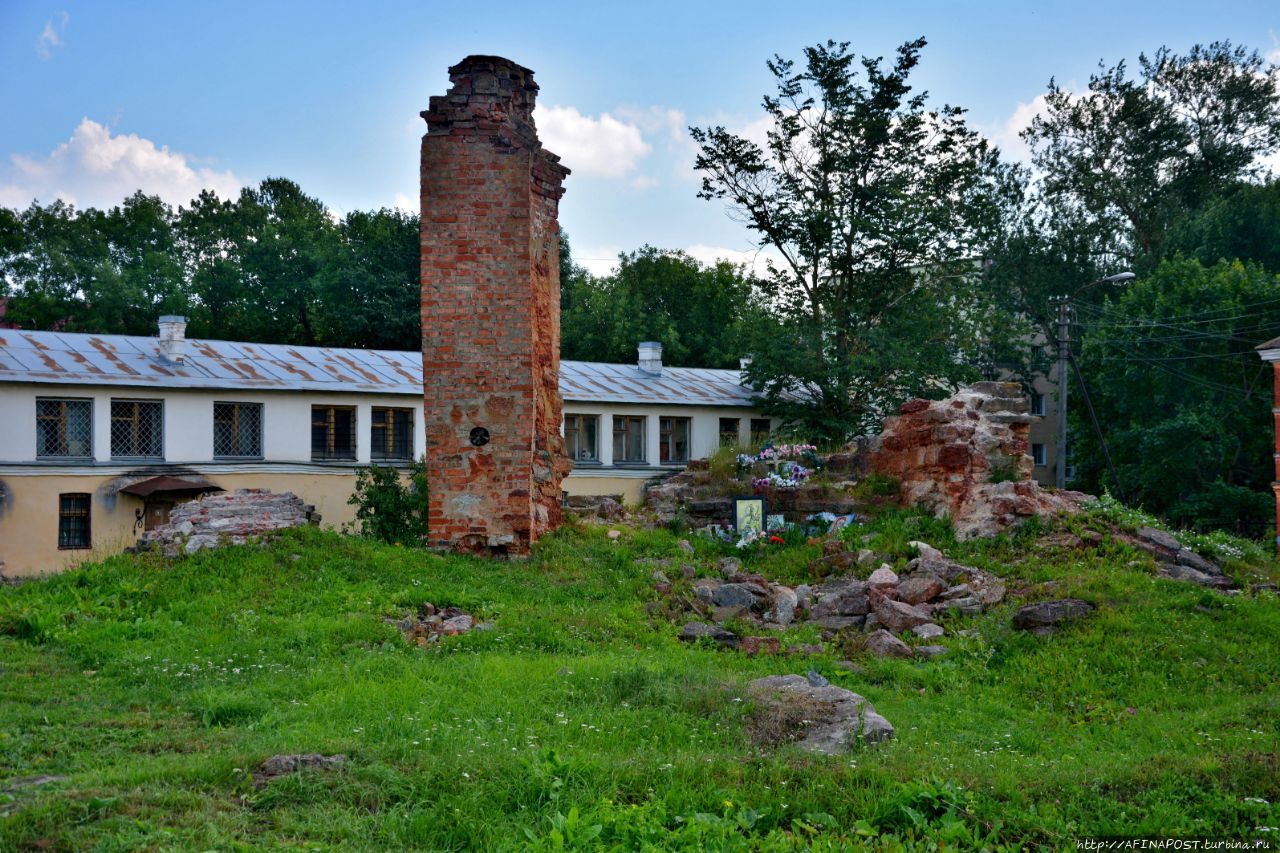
[(650, 357), (173, 338)]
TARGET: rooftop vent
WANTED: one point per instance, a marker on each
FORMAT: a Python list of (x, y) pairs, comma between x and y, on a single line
[(173, 338), (651, 357)]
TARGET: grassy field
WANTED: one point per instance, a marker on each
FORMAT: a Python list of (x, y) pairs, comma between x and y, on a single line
[(155, 688)]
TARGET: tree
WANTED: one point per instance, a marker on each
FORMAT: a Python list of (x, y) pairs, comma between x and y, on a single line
[(1242, 224), (1132, 156), (368, 289), (1185, 401), (878, 207), (699, 313)]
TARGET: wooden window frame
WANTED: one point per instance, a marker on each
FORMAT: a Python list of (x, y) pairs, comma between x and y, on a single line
[(667, 440), (136, 427), (387, 451), (620, 425), (577, 424), (235, 429), (737, 432), (63, 423), (330, 422)]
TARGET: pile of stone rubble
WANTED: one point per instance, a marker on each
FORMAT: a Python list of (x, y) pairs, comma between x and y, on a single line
[(883, 604), (429, 624), (227, 518)]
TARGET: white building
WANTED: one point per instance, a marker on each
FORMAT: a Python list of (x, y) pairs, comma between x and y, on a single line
[(101, 434)]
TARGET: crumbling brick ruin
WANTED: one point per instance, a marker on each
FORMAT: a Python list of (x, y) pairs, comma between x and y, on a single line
[(234, 518), (491, 312), (966, 457)]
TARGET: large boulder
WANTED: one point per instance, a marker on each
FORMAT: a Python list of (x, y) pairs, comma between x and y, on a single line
[(898, 616), (695, 631), (824, 719), (882, 644), (1050, 614)]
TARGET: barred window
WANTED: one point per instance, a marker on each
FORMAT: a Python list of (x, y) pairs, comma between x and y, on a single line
[(333, 432), (73, 521), (237, 430), (64, 428), (673, 440), (391, 434), (137, 429)]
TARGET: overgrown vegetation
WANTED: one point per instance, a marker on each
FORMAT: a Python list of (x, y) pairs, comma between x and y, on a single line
[(155, 688), (390, 506)]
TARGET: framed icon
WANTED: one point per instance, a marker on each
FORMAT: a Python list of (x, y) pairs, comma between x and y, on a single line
[(749, 515)]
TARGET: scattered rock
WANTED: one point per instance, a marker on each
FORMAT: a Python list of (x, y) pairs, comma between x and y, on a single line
[(928, 631), (695, 631), (882, 644), (924, 549), (614, 534), (430, 623), (283, 765), (883, 576), (866, 557), (805, 649), (931, 651), (898, 616), (737, 595), (919, 588), (685, 546), (760, 646), (730, 566), (1048, 614), (659, 576), (782, 605), (826, 719)]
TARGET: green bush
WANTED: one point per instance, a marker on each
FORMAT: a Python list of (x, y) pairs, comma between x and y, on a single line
[(388, 507)]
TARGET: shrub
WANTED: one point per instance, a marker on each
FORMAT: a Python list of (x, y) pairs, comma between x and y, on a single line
[(388, 507)]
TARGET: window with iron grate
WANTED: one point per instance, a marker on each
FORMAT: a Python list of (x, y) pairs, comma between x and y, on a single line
[(64, 429), (237, 430), (73, 521), (137, 429), (391, 434), (333, 432)]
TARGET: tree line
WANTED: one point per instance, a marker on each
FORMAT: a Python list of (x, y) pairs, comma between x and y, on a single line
[(914, 256)]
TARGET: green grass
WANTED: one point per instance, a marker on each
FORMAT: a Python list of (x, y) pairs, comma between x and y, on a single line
[(157, 686)]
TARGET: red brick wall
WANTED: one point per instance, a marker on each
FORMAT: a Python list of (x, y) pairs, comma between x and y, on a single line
[(1275, 366), (490, 312)]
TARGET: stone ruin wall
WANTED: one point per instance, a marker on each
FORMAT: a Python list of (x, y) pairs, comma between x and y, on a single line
[(490, 312), (944, 454)]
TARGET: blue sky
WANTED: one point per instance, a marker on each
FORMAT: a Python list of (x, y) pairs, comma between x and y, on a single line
[(101, 98)]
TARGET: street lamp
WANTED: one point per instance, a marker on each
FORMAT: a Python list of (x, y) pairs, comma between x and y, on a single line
[(1064, 355)]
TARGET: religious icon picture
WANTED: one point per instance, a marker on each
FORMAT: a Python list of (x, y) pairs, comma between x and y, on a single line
[(748, 515)]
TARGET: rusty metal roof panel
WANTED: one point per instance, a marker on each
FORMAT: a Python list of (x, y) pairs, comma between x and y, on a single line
[(589, 381), (80, 359)]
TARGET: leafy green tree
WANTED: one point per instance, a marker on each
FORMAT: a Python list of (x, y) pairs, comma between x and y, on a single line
[(1131, 156), (1184, 400), (699, 313), (1242, 224), (877, 206), (391, 507), (368, 289)]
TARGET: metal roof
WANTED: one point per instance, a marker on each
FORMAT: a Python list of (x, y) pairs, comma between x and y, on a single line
[(70, 358)]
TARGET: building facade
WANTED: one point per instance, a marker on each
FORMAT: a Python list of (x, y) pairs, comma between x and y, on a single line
[(1270, 352), (101, 434)]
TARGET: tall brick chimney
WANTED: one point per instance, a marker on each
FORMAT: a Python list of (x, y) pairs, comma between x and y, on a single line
[(491, 312)]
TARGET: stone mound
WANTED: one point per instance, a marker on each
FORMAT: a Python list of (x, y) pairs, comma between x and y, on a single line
[(232, 518), (820, 718)]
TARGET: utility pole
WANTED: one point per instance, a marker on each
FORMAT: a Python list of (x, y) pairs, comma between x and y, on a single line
[(1065, 358), (1064, 349)]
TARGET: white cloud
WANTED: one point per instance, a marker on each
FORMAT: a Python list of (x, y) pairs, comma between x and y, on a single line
[(1006, 134), (403, 202), (603, 147), (1273, 55), (754, 259), (598, 260), (643, 182), (51, 36), (98, 169)]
